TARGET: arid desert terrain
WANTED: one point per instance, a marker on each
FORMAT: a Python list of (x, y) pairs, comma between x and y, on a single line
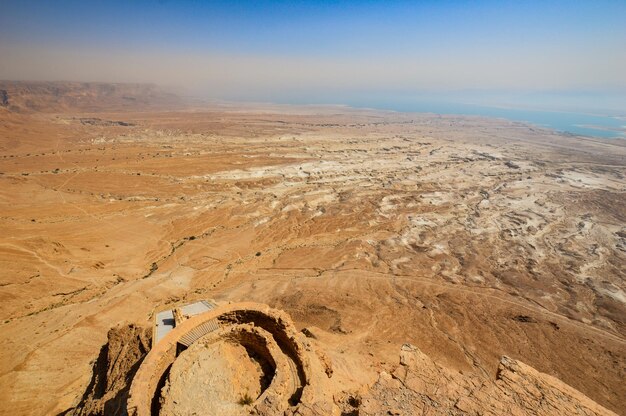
[(467, 238)]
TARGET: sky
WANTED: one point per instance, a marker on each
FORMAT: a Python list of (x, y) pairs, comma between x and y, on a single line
[(328, 51)]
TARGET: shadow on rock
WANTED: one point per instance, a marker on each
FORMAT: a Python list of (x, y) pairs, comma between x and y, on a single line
[(113, 372)]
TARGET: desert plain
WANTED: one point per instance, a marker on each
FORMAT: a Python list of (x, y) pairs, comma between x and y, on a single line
[(469, 238)]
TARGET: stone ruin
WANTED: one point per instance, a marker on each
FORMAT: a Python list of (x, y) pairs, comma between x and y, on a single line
[(229, 359)]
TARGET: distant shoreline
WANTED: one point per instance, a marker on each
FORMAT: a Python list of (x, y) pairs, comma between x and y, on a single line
[(579, 124)]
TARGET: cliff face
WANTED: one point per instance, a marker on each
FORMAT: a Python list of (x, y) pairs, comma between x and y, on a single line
[(4, 98), (55, 97), (113, 371)]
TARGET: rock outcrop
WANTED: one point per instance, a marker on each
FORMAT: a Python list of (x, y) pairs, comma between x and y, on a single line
[(420, 386), (113, 372)]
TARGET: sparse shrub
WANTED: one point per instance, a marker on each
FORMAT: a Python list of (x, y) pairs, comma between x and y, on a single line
[(246, 400)]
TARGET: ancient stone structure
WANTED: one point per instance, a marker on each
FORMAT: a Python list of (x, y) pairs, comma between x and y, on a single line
[(294, 374)]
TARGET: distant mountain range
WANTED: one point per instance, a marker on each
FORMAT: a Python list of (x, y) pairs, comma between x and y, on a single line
[(57, 97)]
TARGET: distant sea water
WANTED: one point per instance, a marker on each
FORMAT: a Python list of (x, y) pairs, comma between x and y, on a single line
[(567, 122)]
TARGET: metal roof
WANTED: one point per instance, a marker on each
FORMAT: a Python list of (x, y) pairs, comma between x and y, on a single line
[(165, 322)]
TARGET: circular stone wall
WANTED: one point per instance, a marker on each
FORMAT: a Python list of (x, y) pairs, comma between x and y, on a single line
[(217, 376), (232, 360)]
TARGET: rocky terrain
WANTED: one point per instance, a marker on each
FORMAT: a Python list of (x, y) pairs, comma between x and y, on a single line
[(419, 386), (467, 238)]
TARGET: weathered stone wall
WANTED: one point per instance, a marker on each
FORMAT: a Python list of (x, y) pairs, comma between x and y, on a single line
[(267, 331)]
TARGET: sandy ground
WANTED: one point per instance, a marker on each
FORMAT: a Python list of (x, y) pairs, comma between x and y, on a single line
[(469, 238)]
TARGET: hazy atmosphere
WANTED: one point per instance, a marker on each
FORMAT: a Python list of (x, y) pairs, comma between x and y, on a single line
[(495, 52), (312, 208)]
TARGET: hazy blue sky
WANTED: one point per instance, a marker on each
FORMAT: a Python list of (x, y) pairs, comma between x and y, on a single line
[(333, 51)]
